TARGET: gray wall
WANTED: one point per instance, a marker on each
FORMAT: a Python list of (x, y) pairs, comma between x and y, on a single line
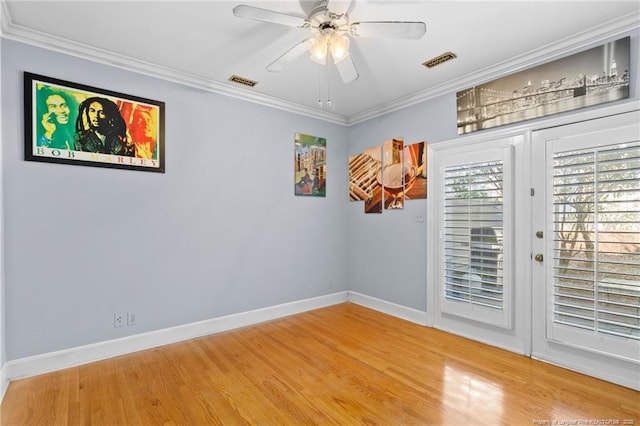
[(387, 255), (220, 232)]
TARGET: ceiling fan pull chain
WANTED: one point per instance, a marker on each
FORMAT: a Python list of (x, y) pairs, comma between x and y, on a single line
[(319, 87), (326, 75)]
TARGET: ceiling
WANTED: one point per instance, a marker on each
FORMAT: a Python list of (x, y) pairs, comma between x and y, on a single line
[(201, 43)]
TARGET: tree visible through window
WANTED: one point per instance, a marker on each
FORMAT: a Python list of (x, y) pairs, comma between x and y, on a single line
[(596, 223)]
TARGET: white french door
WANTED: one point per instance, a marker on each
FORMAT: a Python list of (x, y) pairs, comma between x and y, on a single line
[(477, 260), (534, 243), (586, 268)]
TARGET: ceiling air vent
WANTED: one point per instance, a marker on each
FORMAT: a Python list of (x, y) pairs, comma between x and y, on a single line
[(439, 59), (242, 80)]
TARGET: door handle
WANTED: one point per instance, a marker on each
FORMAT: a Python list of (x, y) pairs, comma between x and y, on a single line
[(539, 257)]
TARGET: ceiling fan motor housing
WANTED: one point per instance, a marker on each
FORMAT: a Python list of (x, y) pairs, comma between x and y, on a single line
[(324, 20)]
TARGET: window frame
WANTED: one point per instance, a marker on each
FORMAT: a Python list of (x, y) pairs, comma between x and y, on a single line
[(502, 318), (567, 335)]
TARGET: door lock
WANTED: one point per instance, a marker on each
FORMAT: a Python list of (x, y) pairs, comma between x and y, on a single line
[(539, 257), (539, 234)]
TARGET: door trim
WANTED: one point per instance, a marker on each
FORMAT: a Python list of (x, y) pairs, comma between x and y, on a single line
[(589, 361)]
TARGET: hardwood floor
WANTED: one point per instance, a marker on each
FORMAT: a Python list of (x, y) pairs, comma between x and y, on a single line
[(341, 365)]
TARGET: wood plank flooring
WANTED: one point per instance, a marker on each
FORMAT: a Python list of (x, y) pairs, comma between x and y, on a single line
[(341, 365)]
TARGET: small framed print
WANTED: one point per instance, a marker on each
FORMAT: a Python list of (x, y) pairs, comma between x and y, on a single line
[(310, 165)]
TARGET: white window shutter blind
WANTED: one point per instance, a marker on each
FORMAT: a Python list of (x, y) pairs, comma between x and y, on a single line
[(596, 224), (475, 236)]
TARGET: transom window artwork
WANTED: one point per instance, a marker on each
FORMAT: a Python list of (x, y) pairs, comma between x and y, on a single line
[(596, 241), (473, 234)]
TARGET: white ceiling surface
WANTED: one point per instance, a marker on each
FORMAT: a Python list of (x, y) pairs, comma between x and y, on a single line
[(201, 43)]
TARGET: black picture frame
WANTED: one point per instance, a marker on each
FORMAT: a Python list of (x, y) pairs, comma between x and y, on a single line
[(72, 123)]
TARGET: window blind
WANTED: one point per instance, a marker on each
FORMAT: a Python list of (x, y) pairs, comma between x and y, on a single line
[(473, 234), (596, 222)]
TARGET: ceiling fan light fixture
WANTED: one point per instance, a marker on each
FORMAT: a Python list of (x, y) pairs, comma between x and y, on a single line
[(339, 47), (319, 49), (319, 58)]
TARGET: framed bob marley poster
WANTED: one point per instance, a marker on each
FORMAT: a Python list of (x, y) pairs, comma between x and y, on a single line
[(73, 123)]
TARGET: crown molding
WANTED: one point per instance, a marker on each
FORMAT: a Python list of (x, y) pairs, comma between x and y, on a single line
[(555, 50), (29, 36)]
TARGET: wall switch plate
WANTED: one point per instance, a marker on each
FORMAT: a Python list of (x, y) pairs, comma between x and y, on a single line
[(132, 318)]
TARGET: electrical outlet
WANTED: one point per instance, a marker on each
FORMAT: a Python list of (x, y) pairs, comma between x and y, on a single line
[(419, 218), (119, 320), (132, 318)]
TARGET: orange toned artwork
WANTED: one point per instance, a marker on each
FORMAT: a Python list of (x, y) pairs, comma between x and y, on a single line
[(142, 127), (363, 182), (384, 177), (416, 155)]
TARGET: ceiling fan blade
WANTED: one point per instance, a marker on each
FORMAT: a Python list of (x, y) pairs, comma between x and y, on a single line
[(388, 29), (341, 7), (347, 70), (290, 55), (251, 12)]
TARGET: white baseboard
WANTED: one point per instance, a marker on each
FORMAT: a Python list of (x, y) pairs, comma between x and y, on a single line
[(632, 380), (4, 381), (52, 361), (409, 314)]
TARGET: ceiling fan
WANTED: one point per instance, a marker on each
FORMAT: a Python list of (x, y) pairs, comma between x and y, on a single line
[(330, 33)]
